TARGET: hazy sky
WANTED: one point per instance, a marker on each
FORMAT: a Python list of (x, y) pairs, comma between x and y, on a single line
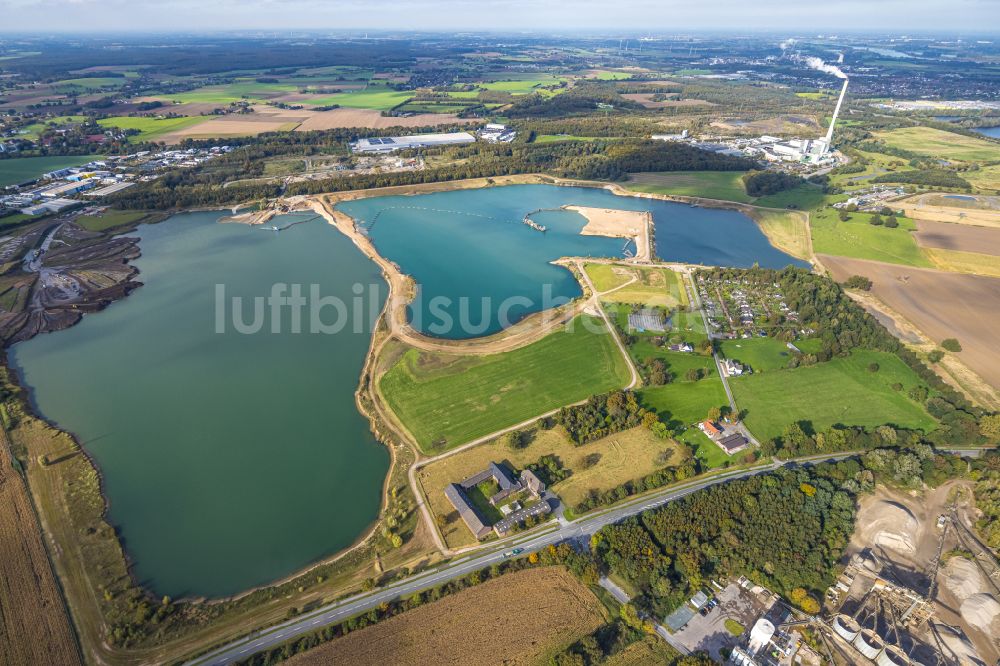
[(663, 16)]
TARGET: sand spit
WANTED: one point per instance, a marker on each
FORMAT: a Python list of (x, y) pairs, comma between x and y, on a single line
[(618, 224)]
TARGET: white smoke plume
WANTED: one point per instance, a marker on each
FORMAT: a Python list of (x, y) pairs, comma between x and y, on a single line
[(818, 64)]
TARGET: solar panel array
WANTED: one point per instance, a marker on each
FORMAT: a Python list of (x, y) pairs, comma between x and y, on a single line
[(377, 141)]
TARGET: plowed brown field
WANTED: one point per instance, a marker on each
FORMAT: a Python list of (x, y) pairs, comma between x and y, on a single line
[(34, 626), (941, 304), (520, 618)]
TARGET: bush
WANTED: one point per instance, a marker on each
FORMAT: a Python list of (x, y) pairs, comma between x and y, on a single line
[(858, 282), (952, 345)]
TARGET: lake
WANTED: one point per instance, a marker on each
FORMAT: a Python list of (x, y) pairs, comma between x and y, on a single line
[(230, 446), (988, 131), (471, 254), (229, 460)]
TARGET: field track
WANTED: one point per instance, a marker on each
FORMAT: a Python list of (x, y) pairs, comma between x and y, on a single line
[(34, 625)]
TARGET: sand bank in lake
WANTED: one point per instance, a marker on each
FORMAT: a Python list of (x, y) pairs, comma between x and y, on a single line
[(619, 224)]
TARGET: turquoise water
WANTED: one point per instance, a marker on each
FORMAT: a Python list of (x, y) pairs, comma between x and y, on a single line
[(229, 460), (472, 245)]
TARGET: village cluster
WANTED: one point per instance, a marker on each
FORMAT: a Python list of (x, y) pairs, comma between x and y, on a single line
[(741, 309)]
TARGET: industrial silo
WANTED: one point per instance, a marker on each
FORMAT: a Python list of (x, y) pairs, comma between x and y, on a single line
[(868, 643), (760, 635), (892, 656), (846, 627)]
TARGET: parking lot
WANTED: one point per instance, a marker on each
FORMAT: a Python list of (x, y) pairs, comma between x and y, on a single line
[(709, 633)]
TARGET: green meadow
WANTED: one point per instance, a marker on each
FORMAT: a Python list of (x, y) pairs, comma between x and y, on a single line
[(150, 129), (683, 401), (841, 391), (861, 240), (445, 400), (723, 185), (761, 354)]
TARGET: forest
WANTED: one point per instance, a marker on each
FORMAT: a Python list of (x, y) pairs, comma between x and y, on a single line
[(762, 183), (784, 530), (603, 415), (586, 160)]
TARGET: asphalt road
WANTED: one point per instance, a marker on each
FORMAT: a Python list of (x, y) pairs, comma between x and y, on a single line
[(337, 611)]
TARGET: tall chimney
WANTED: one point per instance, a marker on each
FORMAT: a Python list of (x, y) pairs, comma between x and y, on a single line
[(836, 112)]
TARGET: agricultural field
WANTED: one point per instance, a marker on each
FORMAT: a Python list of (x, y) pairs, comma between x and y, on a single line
[(942, 305), (527, 616), (961, 237), (379, 100), (684, 402), (723, 185), (90, 83), (150, 129), (761, 354), (858, 239), (840, 391), (941, 144), (624, 456), (523, 87), (20, 169), (372, 119), (959, 261), (445, 399), (38, 630)]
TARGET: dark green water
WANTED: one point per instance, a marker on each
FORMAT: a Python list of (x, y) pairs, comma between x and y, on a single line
[(472, 245), (229, 460)]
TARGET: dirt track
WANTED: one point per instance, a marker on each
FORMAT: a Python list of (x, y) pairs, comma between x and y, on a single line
[(941, 304)]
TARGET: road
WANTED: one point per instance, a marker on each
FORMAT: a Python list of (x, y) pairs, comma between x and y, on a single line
[(338, 611)]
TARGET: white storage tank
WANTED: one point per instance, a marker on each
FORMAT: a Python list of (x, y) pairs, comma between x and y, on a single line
[(892, 656), (868, 643), (760, 635), (846, 627)]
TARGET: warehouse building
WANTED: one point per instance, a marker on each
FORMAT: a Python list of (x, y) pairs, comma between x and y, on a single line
[(389, 144)]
